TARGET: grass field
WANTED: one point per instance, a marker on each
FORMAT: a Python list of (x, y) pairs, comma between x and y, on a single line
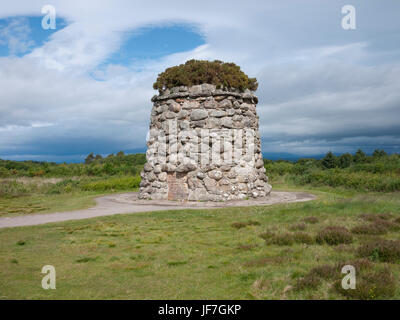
[(44, 195), (233, 253)]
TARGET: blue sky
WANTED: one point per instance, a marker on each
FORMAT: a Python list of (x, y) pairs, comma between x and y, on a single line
[(86, 86), (27, 30)]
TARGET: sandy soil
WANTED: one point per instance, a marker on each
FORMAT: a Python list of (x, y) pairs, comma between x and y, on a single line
[(129, 203)]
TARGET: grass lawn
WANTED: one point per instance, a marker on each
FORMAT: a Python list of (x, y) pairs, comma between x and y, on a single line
[(231, 253), (23, 196), (41, 203)]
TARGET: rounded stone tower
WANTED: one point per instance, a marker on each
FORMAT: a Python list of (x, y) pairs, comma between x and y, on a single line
[(204, 144)]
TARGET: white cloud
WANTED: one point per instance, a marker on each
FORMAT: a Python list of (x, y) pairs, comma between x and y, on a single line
[(16, 35), (319, 85)]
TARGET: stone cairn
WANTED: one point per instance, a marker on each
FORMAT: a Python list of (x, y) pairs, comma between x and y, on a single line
[(204, 144)]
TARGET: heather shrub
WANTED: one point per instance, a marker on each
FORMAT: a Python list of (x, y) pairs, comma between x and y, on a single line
[(253, 223), (334, 236), (371, 228), (311, 220), (194, 72), (281, 240), (239, 225), (302, 237), (298, 226), (373, 217), (333, 271), (267, 235), (381, 250), (389, 225), (247, 247), (325, 271), (310, 281), (370, 285)]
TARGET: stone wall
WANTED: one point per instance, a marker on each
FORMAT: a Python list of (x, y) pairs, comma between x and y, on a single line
[(204, 144)]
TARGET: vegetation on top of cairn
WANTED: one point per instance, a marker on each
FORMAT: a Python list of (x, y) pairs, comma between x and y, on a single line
[(194, 72)]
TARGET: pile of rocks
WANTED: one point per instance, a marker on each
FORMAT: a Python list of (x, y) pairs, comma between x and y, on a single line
[(204, 144)]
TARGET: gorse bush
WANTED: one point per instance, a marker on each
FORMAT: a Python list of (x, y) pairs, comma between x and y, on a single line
[(194, 72)]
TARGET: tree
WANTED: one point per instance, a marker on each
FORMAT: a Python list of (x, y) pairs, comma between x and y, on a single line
[(360, 156), (329, 161), (345, 160), (98, 157), (379, 153), (120, 154), (89, 159)]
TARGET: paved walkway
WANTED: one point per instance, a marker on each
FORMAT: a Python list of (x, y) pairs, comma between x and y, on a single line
[(129, 203)]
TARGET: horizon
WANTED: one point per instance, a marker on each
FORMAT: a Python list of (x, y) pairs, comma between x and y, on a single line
[(87, 83), (267, 156)]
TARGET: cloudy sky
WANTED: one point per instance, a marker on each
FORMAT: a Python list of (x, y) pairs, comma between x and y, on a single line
[(86, 86)]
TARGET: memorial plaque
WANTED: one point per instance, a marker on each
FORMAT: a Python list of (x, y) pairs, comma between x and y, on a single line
[(177, 186)]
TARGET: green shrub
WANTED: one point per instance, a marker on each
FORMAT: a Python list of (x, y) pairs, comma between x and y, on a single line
[(117, 183), (194, 72)]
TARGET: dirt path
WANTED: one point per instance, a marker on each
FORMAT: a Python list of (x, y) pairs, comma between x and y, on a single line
[(129, 203)]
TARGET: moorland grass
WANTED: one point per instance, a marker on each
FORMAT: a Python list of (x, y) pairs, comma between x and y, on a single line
[(197, 254), (43, 195)]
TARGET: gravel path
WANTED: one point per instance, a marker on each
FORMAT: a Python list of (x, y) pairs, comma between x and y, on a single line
[(129, 203)]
